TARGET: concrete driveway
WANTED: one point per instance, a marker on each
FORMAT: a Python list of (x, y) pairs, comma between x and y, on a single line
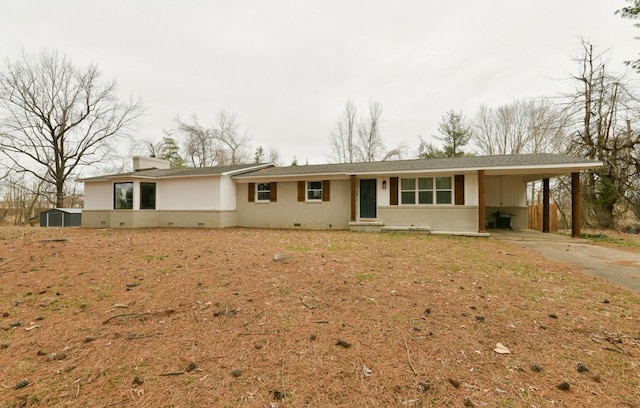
[(617, 266)]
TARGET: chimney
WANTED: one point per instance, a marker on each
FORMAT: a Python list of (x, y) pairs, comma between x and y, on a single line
[(148, 163)]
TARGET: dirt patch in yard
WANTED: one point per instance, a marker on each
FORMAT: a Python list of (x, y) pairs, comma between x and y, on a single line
[(268, 318)]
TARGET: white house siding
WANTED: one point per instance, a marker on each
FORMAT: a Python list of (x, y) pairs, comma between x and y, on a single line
[(508, 195), (382, 195), (287, 212), (98, 195), (197, 193), (506, 191), (227, 200), (471, 189)]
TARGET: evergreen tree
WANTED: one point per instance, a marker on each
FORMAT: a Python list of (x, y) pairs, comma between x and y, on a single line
[(171, 151), (454, 133)]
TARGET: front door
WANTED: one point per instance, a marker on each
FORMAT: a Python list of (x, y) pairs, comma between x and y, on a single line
[(368, 204)]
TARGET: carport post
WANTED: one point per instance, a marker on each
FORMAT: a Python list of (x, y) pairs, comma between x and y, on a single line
[(575, 205), (545, 205), (481, 202)]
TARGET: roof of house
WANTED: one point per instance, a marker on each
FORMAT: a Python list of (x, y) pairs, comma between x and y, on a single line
[(534, 166), (183, 172), (530, 162)]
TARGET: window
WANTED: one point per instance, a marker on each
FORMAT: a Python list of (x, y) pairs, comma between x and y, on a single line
[(123, 196), (147, 196), (443, 190), (421, 190), (314, 190), (263, 191), (408, 191)]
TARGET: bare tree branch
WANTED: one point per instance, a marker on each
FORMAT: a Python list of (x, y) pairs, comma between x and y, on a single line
[(56, 117)]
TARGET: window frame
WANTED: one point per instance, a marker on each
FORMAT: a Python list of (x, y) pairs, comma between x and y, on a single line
[(417, 189), (443, 190), (258, 199), (143, 185), (127, 198), (317, 192)]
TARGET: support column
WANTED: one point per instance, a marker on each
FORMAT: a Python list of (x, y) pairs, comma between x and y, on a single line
[(353, 198), (575, 205), (481, 201), (545, 205)]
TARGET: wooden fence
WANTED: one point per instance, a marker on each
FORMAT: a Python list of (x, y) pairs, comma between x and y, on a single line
[(535, 217)]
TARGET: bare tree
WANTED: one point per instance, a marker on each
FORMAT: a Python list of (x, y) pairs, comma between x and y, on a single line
[(56, 117), (600, 106), (356, 138), (222, 144), (523, 126), (233, 141), (344, 135), (23, 199), (370, 138), (261, 156), (200, 150)]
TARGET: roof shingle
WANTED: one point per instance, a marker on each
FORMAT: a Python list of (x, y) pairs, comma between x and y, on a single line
[(466, 162)]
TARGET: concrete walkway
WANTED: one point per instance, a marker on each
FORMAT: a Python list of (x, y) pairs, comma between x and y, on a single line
[(617, 266)]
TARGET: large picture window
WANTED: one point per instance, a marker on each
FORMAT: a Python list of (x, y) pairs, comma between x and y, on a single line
[(123, 196), (425, 190), (263, 191), (314, 190), (147, 196)]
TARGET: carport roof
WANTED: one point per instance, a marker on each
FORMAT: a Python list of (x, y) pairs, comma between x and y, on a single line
[(532, 166)]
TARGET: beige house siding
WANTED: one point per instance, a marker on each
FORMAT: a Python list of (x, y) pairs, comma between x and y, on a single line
[(433, 217), (158, 218), (287, 212), (208, 202)]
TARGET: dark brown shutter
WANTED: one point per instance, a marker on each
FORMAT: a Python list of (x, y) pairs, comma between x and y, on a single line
[(252, 192), (326, 190), (393, 191), (459, 186), (273, 193), (301, 190)]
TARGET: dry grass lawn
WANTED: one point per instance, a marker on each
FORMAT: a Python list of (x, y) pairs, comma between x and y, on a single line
[(270, 318)]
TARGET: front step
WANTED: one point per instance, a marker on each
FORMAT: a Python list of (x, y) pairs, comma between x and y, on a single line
[(378, 226), (366, 226), (411, 228)]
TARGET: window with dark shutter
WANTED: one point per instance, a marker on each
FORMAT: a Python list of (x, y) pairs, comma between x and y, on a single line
[(393, 191), (459, 186), (274, 192), (252, 192), (301, 190), (326, 190)]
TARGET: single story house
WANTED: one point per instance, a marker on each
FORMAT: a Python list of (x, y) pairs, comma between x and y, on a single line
[(461, 195)]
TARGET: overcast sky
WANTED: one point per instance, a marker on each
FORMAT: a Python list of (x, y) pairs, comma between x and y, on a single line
[(286, 68)]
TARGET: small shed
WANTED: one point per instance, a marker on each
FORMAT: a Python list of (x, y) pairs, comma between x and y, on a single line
[(61, 217)]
